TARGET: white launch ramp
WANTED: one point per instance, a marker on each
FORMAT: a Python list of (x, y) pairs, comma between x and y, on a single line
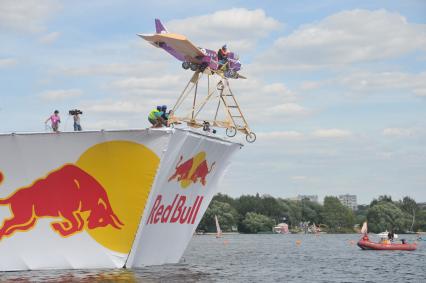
[(105, 199)]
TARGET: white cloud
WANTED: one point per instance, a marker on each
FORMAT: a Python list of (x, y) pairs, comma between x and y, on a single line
[(27, 16), (420, 91), (347, 37), (279, 90), (213, 30), (367, 82), (110, 106), (331, 133), (148, 83), (310, 85), (8, 62), (145, 68), (60, 94), (385, 81), (289, 109), (299, 178), (398, 132), (106, 124), (50, 38), (282, 135)]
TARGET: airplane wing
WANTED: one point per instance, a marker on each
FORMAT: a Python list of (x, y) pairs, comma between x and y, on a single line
[(177, 42)]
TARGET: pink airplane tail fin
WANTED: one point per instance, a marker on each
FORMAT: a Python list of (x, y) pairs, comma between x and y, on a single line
[(159, 28)]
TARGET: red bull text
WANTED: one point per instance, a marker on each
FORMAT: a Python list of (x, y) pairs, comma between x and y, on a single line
[(192, 170), (179, 211), (65, 193)]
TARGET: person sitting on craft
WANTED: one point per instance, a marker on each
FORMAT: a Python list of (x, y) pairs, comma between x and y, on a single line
[(165, 115), (222, 56), (155, 118)]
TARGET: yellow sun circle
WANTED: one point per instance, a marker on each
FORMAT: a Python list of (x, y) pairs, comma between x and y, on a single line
[(196, 161), (126, 171)]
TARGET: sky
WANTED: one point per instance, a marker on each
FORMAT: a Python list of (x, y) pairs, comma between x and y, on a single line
[(336, 90)]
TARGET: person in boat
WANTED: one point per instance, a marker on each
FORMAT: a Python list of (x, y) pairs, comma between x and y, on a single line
[(391, 236), (222, 56), (155, 117)]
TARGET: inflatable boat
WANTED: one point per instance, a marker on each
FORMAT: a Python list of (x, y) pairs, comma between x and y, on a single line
[(366, 244)]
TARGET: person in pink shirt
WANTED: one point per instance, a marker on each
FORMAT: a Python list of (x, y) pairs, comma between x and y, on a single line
[(55, 120)]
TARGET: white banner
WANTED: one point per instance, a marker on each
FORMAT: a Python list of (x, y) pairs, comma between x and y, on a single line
[(104, 199), (186, 182)]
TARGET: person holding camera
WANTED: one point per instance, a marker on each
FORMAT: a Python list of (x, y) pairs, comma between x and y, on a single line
[(76, 117), (54, 120)]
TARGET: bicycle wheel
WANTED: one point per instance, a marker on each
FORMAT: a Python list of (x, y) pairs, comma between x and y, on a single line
[(251, 137), (231, 132)]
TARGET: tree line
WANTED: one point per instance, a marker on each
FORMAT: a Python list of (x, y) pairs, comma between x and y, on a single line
[(255, 213)]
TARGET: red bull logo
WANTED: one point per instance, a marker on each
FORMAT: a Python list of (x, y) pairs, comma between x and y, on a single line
[(192, 170), (179, 211), (70, 194)]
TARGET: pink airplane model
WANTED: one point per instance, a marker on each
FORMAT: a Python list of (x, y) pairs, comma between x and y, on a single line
[(192, 57)]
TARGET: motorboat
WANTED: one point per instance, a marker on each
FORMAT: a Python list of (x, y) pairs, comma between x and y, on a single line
[(384, 235), (384, 243), (365, 244)]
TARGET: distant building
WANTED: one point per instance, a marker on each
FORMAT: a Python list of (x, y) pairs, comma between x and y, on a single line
[(421, 205), (313, 198), (349, 201)]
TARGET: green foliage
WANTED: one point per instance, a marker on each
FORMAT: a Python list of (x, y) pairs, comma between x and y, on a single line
[(336, 216), (252, 214), (420, 224), (361, 214), (225, 198), (255, 223), (226, 214), (293, 212), (311, 211), (383, 198), (387, 216), (408, 205)]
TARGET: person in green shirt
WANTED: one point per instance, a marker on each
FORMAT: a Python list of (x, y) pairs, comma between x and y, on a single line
[(155, 117)]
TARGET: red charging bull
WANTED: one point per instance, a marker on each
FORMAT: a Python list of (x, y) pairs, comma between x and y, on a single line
[(192, 170), (70, 194)]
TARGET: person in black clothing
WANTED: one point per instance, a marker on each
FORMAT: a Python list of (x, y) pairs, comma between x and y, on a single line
[(391, 235)]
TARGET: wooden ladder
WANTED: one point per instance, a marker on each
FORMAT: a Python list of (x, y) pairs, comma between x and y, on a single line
[(232, 107)]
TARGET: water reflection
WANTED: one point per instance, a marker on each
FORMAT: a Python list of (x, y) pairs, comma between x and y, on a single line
[(97, 275), (165, 273), (260, 258)]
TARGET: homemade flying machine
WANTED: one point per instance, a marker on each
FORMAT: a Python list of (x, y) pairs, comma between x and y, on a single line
[(204, 62), (192, 57)]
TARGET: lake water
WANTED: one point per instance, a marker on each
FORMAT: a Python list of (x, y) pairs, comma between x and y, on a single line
[(262, 258)]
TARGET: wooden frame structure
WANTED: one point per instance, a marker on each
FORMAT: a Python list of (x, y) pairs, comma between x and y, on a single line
[(234, 119)]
